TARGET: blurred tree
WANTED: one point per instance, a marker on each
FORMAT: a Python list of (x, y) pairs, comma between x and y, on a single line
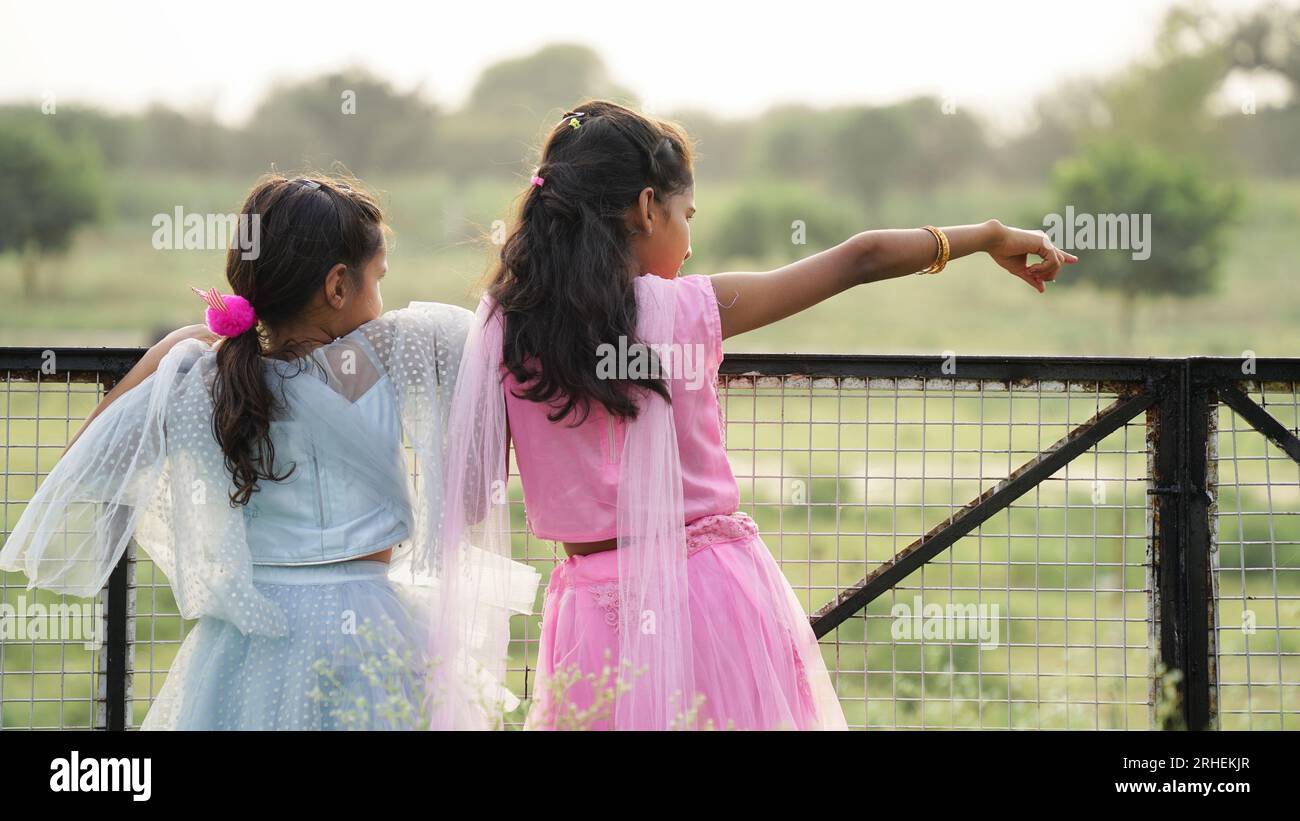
[(157, 139), (769, 223), (1164, 102), (1269, 39), (547, 81), (1053, 131), (48, 187), (720, 144), (1266, 44), (1166, 99), (944, 142), (112, 134), (791, 142), (866, 152), (350, 117), (490, 145), (1188, 220), (163, 139), (502, 125)]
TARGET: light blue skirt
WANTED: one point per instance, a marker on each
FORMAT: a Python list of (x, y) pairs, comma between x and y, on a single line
[(355, 658)]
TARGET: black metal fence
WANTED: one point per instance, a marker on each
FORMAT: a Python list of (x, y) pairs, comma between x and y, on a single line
[(1165, 595)]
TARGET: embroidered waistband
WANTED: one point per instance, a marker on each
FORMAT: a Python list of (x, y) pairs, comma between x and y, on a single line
[(721, 527)]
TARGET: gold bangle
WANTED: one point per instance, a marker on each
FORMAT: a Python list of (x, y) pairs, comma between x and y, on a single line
[(940, 258)]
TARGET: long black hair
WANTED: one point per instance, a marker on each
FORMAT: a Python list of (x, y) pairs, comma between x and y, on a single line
[(565, 277), (307, 225)]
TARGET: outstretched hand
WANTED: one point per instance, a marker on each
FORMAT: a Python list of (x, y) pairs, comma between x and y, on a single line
[(1012, 247)]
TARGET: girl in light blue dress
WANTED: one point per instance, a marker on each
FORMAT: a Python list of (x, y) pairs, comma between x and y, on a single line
[(261, 461)]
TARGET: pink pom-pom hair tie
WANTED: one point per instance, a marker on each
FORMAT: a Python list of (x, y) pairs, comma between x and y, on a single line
[(227, 315), (537, 181)]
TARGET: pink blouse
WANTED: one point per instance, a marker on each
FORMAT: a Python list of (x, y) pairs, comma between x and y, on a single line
[(570, 474)]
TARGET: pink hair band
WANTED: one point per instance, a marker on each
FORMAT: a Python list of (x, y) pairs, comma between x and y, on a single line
[(537, 181), (227, 314)]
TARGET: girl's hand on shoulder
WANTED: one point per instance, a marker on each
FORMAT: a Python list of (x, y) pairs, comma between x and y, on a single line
[(1010, 248), (194, 331), (149, 362), (199, 332)]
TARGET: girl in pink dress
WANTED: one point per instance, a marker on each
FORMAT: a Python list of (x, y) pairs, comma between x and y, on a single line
[(599, 361)]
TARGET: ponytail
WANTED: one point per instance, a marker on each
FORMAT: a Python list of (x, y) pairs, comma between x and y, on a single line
[(243, 408), (307, 226)]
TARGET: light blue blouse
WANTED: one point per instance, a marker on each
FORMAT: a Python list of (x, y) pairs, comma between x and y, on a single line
[(321, 513)]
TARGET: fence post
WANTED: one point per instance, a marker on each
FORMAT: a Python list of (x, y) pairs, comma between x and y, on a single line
[(1198, 570), (1181, 505), (1212, 547), (117, 608), (117, 647)]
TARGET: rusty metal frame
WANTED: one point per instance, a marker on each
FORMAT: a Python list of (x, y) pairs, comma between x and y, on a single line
[(977, 511)]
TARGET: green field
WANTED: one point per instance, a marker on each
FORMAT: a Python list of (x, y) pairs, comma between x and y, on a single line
[(114, 288)]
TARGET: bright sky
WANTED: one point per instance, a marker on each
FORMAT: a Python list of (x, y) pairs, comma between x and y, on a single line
[(730, 57)]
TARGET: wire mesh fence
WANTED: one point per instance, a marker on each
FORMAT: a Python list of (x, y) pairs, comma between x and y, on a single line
[(1257, 573), (1000, 543), (46, 682), (844, 474)]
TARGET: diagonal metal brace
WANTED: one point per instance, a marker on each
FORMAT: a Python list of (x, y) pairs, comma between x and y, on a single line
[(1260, 419), (979, 510)]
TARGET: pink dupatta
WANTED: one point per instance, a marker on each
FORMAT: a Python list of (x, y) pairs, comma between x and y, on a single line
[(655, 654)]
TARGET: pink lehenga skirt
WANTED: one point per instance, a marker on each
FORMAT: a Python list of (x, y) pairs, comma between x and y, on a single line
[(757, 664)]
